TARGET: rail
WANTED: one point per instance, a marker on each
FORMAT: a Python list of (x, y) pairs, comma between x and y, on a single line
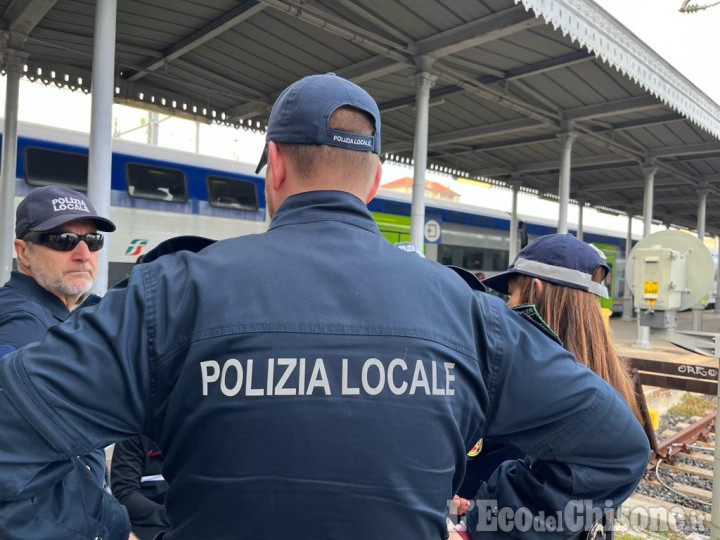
[(673, 376)]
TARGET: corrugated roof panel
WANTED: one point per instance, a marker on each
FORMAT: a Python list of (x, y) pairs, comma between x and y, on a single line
[(501, 123), (555, 89), (527, 48), (427, 18)]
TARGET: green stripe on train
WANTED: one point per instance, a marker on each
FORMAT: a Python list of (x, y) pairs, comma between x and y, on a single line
[(393, 227), (610, 252)]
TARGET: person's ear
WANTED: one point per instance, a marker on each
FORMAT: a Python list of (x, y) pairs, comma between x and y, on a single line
[(538, 286), (375, 184), (276, 162), (22, 249)]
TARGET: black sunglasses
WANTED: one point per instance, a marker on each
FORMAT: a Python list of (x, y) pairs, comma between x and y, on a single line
[(65, 241)]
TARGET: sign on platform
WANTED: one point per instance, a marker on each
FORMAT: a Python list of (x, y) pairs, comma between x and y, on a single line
[(433, 231)]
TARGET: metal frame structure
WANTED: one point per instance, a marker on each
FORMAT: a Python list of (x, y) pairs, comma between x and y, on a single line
[(553, 96)]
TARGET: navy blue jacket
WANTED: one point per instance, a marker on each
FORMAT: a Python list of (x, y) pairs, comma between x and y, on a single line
[(27, 311), (315, 381)]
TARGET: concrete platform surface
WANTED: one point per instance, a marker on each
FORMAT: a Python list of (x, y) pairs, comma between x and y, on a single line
[(625, 334)]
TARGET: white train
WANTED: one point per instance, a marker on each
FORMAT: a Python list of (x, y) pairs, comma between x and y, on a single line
[(158, 193)]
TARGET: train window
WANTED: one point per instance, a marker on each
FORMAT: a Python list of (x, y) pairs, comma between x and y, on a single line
[(44, 167), (474, 259), (159, 183), (232, 193)]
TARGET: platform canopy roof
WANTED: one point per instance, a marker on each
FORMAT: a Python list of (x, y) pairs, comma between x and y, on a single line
[(510, 78)]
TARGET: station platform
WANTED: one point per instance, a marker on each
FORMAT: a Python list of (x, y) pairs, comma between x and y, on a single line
[(625, 334)]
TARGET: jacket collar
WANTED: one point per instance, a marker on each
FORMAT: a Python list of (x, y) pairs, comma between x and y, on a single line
[(29, 286), (327, 205)]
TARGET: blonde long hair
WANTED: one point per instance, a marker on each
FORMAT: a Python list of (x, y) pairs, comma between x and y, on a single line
[(576, 318)]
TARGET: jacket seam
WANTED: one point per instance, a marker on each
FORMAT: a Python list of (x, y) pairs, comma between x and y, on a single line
[(46, 409), (369, 229), (151, 328), (34, 293), (8, 316), (545, 446), (495, 361), (303, 328)]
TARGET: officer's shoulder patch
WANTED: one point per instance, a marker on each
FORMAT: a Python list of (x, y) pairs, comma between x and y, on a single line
[(475, 450)]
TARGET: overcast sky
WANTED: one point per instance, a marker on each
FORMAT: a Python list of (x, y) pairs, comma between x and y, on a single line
[(690, 42)]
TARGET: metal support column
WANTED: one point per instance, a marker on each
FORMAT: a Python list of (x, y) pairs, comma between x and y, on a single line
[(649, 173), (699, 309), (197, 137), (566, 140), (100, 151), (717, 279), (627, 312), (715, 507), (702, 204), (14, 62), (581, 206), (423, 82), (643, 335), (152, 129), (513, 245), (643, 332)]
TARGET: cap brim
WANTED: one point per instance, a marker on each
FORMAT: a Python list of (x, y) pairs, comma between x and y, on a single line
[(101, 223), (263, 160), (499, 282), (469, 278)]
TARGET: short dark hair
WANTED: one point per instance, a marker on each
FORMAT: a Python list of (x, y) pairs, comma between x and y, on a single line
[(307, 158)]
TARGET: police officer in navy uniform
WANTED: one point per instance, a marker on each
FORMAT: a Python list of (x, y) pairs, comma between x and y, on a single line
[(315, 381), (57, 245), (136, 470)]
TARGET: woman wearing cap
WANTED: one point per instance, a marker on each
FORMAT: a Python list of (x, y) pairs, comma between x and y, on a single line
[(562, 276)]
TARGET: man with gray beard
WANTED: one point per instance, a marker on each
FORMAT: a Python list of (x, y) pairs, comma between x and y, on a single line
[(57, 245)]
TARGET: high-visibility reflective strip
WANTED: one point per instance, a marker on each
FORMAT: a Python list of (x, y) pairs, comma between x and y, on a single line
[(568, 275), (152, 478)]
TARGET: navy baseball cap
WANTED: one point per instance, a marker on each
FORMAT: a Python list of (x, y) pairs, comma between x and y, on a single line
[(469, 278), (46, 208), (301, 113), (558, 258), (175, 244)]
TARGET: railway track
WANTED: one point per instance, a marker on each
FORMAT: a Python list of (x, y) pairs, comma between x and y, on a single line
[(677, 487), (676, 493), (682, 439)]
